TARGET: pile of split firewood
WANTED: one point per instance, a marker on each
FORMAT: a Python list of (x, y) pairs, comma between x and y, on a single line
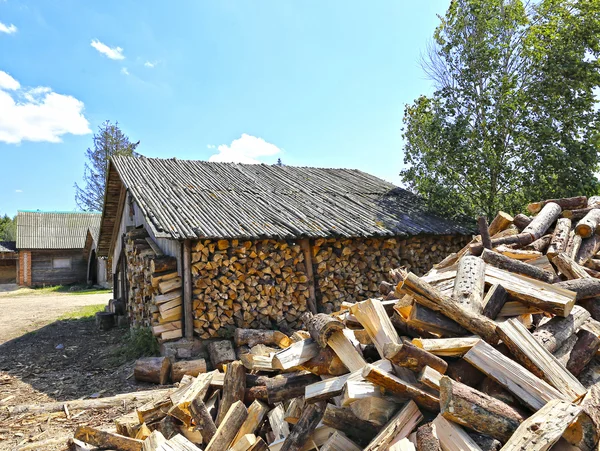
[(495, 348)]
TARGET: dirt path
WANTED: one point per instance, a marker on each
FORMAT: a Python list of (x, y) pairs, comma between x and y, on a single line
[(23, 313)]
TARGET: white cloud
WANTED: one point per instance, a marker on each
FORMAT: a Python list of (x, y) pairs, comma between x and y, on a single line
[(18, 191), (37, 114), (114, 53), (211, 146), (149, 64), (8, 29), (124, 71), (246, 149)]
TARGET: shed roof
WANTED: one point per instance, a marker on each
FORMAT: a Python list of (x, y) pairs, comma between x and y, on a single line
[(8, 246), (55, 229), (186, 199)]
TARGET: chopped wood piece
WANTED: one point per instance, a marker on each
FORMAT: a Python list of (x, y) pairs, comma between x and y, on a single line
[(427, 439), (288, 386), (515, 266), (326, 362), (589, 247), (397, 428), (296, 354), (568, 268), (105, 439), (430, 377), (152, 369), (522, 239), (415, 359), (294, 410), (401, 387), (423, 318), (154, 441), (452, 437), (301, 432), (339, 442), (475, 410), (374, 409), (521, 221), (346, 351), (191, 367), (229, 427), (321, 327), (587, 226), (584, 288), (253, 337), (203, 420), (516, 308), (560, 237), (257, 412), (376, 322), (234, 388), (469, 283), (430, 297), (494, 300), (484, 232), (446, 347), (221, 353), (544, 428), (528, 388), (583, 352), (567, 203), (538, 359), (342, 419), (501, 222), (552, 334), (545, 218), (540, 245), (278, 425), (355, 390)]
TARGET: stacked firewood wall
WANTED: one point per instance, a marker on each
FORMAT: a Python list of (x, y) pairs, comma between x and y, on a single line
[(154, 297), (351, 269), (250, 284)]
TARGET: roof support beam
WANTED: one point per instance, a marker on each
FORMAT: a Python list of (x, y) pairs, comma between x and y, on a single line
[(188, 319), (312, 299)]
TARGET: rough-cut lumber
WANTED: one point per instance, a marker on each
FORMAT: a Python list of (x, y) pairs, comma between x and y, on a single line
[(342, 419), (296, 354), (452, 437), (339, 442), (469, 283), (584, 288), (538, 359), (234, 388), (544, 428), (300, 434), (566, 203), (221, 353), (152, 369), (203, 419), (229, 427), (553, 334), (532, 391), (183, 367), (427, 439), (105, 439), (486, 239), (476, 410), (568, 268), (560, 237), (374, 409), (397, 428), (515, 266), (321, 327), (253, 337), (446, 347), (430, 297), (401, 387), (494, 300), (376, 322), (545, 218), (412, 357), (583, 352), (587, 226), (552, 298)]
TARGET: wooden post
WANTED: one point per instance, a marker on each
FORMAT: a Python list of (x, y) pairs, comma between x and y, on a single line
[(307, 250), (188, 318)]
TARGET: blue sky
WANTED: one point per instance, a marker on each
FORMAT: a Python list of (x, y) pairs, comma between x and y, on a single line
[(315, 83)]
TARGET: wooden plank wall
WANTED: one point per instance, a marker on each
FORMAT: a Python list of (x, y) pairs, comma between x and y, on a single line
[(42, 272)]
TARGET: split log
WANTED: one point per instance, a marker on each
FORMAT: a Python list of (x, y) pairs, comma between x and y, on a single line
[(400, 387), (584, 288), (427, 439), (397, 428), (494, 300), (234, 388), (521, 221), (190, 367), (296, 354), (257, 412), (583, 352), (374, 409), (373, 317), (203, 420), (484, 232), (587, 226), (584, 433), (446, 347), (569, 268), (105, 439), (310, 418), (475, 410), (346, 351), (162, 264), (469, 283), (253, 337), (423, 318), (538, 359), (415, 359), (532, 391), (321, 327), (283, 387), (573, 245), (326, 362), (515, 266), (342, 419), (339, 442), (152, 369), (452, 437), (544, 428), (294, 410), (501, 222), (229, 427), (552, 334), (560, 237), (221, 353), (279, 427), (589, 247), (567, 203), (545, 218), (430, 297)]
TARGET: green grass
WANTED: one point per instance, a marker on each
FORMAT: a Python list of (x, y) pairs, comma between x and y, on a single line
[(58, 289), (139, 342), (87, 312)]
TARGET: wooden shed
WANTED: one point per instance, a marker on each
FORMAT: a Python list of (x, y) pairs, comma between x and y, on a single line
[(8, 262), (206, 247), (51, 246)]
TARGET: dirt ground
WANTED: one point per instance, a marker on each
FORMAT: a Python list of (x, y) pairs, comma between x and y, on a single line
[(43, 359)]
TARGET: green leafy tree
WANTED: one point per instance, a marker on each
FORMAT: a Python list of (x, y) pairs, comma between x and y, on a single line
[(513, 117), (109, 141), (8, 228)]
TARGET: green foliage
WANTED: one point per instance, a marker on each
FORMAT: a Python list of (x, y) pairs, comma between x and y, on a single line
[(8, 228), (140, 342), (513, 117), (109, 141)]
